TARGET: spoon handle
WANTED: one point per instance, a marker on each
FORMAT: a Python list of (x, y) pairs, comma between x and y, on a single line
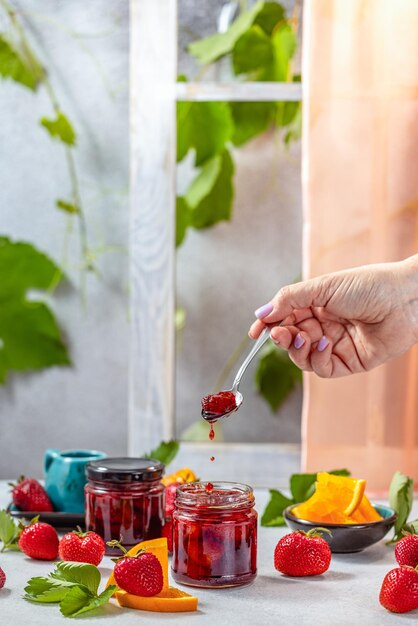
[(265, 335)]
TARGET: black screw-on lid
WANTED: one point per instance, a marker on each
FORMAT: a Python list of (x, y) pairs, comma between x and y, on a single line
[(125, 469)]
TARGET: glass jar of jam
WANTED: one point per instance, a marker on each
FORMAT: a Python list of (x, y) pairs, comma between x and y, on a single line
[(214, 535), (125, 499)]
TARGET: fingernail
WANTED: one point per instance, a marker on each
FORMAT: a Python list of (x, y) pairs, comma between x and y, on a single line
[(322, 344), (274, 340), (263, 310), (299, 341)]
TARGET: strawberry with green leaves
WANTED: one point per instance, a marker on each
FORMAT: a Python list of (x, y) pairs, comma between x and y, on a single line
[(399, 592), (406, 550), (39, 541), (303, 554), (82, 547), (141, 575)]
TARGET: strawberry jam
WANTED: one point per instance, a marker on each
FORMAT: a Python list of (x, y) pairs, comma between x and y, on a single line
[(214, 535), (218, 404), (125, 499)]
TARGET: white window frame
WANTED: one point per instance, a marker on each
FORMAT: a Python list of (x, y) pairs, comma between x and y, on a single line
[(153, 95)]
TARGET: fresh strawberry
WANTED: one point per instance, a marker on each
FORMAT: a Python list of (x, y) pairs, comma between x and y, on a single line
[(86, 547), (302, 554), (39, 541), (29, 495), (141, 575), (406, 550), (399, 592), (2, 578)]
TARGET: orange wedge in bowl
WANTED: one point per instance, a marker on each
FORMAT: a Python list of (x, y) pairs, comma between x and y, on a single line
[(337, 500), (170, 599)]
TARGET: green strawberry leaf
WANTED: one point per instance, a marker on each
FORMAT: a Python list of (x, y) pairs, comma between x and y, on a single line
[(273, 513), (400, 499), (68, 207), (82, 574), (276, 376), (78, 600), (14, 65), (61, 128), (165, 452), (45, 590), (340, 472), (9, 531), (216, 46), (204, 126)]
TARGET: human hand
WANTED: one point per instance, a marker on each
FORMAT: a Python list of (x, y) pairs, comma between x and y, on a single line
[(346, 322)]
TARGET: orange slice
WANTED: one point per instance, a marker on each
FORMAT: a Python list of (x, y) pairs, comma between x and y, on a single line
[(184, 475), (155, 546), (171, 601), (337, 500)]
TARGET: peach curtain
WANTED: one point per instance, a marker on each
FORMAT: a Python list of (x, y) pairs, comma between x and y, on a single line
[(360, 180)]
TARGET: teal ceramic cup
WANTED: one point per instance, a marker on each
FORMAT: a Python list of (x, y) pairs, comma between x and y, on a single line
[(65, 477)]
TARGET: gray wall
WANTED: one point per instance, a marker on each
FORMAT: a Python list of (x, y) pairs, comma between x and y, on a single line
[(85, 48)]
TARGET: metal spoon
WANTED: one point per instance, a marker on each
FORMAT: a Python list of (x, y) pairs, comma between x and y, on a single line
[(213, 417)]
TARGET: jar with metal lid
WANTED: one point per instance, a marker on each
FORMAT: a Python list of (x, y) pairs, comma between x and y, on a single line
[(125, 499), (214, 535)]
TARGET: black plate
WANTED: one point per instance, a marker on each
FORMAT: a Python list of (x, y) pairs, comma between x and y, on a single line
[(58, 519)]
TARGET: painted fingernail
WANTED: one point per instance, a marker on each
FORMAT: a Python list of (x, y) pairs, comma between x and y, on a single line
[(299, 341), (263, 310), (322, 344)]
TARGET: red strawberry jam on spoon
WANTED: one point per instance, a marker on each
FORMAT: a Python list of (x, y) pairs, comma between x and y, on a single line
[(223, 403)]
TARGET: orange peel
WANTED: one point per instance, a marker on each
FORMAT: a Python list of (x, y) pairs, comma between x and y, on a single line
[(171, 601)]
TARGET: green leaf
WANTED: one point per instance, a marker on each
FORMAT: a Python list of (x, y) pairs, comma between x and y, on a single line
[(270, 15), (183, 219), (78, 600), (14, 65), (45, 590), (215, 46), (273, 513), (284, 45), (9, 531), (302, 486), (400, 499), (61, 128), (68, 207), (165, 452), (412, 527), (252, 51), (276, 376), (211, 193), (204, 126), (340, 472), (251, 119), (29, 335), (78, 573)]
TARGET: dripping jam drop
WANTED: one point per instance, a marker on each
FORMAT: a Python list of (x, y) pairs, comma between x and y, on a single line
[(209, 488), (211, 433), (212, 458)]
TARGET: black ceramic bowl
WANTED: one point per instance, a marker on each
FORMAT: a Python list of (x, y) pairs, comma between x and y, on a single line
[(347, 537)]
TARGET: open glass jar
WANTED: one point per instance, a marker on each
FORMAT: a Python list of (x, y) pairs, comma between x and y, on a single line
[(214, 535), (125, 499)]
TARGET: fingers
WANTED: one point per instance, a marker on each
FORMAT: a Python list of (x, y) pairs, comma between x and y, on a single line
[(301, 295)]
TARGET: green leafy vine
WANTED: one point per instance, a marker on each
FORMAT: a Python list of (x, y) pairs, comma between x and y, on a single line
[(260, 45)]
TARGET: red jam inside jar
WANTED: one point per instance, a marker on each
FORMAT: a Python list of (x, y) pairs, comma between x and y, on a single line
[(125, 499), (214, 535)]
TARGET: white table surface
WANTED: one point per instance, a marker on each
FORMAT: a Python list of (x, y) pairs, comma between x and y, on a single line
[(345, 595)]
